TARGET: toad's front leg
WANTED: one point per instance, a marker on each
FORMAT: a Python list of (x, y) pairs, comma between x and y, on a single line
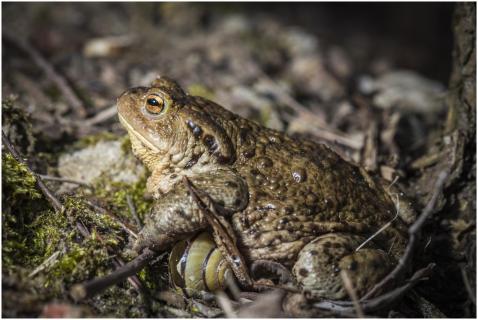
[(176, 215)]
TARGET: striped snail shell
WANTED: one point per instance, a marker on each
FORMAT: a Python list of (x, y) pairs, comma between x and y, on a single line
[(196, 264)]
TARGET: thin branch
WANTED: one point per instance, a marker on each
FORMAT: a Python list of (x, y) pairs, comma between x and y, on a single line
[(101, 116), (346, 308), (132, 209), (225, 304), (90, 288), (352, 293), (369, 150), (468, 287), (47, 177), (45, 264), (385, 226), (55, 203), (322, 130), (221, 235), (413, 238), (133, 280), (117, 262), (60, 81), (124, 225)]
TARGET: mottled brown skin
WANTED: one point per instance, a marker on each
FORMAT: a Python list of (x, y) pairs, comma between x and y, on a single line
[(295, 202)]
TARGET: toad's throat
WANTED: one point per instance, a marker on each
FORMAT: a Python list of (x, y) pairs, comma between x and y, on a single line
[(134, 133)]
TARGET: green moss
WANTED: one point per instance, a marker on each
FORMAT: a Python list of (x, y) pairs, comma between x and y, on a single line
[(116, 193), (48, 230), (92, 139), (17, 178), (201, 91), (21, 201), (16, 125), (126, 144)]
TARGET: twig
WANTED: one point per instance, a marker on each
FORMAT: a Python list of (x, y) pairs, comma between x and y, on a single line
[(323, 130), (87, 289), (413, 238), (352, 294), (346, 308), (340, 138), (45, 264), (133, 280), (225, 304), (55, 203), (117, 262), (468, 288), (385, 226), (232, 286), (125, 226), (369, 151), (47, 177), (82, 229), (101, 116), (132, 209), (221, 236), (68, 92), (392, 183)]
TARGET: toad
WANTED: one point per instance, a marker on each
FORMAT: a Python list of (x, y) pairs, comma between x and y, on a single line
[(291, 201)]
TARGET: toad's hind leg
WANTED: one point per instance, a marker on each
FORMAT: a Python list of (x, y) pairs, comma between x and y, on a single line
[(320, 262)]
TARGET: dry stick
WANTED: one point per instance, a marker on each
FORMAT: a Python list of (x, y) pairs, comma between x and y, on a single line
[(346, 308), (391, 297), (70, 95), (101, 116), (50, 260), (369, 151), (385, 226), (56, 204), (221, 236), (225, 304), (468, 288), (133, 280), (324, 131), (413, 238), (124, 225), (87, 289), (47, 177), (132, 209), (352, 294)]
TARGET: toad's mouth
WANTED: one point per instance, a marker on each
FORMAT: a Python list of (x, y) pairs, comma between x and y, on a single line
[(137, 135)]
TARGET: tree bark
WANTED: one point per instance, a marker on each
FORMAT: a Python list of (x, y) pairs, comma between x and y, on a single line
[(452, 235)]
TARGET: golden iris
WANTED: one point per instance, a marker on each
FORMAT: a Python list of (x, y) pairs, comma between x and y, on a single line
[(154, 104)]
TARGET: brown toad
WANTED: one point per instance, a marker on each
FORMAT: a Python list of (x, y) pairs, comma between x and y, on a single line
[(294, 202)]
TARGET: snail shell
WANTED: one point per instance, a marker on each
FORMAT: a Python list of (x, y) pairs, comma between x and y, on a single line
[(196, 264)]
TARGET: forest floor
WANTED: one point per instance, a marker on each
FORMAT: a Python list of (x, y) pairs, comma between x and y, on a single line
[(378, 101)]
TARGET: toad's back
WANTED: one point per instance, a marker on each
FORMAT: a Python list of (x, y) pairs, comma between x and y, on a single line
[(299, 190)]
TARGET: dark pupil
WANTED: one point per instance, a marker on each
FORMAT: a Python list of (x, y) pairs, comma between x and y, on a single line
[(153, 102)]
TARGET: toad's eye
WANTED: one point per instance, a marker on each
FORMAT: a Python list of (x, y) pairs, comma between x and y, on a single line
[(154, 105)]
